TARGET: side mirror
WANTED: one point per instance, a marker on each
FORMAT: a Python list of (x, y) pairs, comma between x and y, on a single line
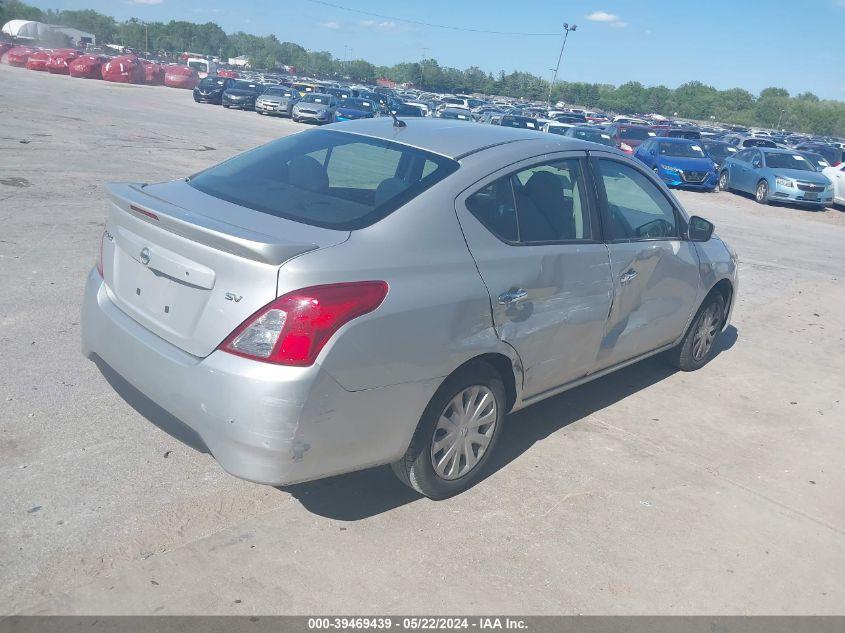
[(700, 230)]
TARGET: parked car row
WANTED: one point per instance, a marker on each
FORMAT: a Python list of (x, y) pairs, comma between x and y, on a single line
[(119, 69)]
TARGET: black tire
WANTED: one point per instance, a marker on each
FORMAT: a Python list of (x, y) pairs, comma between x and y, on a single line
[(724, 181), (225, 106), (416, 469), (685, 356), (761, 192)]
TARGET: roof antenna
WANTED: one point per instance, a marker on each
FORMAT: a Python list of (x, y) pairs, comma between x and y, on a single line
[(396, 122)]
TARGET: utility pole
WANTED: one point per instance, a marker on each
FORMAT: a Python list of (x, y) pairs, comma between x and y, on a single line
[(566, 27), (422, 65)]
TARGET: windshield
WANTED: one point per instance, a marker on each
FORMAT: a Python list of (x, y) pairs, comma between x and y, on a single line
[(529, 124), (788, 161), (212, 82), (330, 179), (316, 97), (357, 104), (246, 85), (635, 133), (681, 150), (198, 65)]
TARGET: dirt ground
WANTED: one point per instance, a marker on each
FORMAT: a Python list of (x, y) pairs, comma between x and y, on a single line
[(647, 491)]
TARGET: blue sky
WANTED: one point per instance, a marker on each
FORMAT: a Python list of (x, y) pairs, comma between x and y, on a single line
[(750, 44)]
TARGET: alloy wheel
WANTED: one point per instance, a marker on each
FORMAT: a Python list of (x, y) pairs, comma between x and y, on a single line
[(463, 432), (705, 333), (762, 191), (723, 181)]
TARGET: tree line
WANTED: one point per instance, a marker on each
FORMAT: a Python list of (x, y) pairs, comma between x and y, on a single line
[(772, 108)]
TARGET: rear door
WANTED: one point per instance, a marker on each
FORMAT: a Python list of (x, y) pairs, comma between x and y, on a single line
[(534, 233), (656, 280), (181, 264)]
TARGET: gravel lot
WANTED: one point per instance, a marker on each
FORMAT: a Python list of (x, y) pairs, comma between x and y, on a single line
[(647, 491)]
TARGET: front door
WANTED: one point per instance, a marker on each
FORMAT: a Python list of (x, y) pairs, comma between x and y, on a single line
[(534, 234), (656, 280)]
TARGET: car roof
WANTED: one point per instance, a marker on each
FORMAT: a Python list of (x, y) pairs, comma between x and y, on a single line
[(774, 150), (455, 140)]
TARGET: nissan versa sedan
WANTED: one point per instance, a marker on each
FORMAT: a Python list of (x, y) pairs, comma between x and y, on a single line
[(370, 293), (776, 175)]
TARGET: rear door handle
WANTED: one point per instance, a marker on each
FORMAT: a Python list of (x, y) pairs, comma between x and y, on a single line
[(512, 296), (628, 276)]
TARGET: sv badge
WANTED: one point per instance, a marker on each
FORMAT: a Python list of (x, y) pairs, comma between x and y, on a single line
[(231, 296)]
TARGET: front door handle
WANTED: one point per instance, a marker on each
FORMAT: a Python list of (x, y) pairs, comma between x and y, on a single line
[(512, 296), (628, 276)]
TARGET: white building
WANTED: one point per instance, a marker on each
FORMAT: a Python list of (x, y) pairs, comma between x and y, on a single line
[(36, 31), (241, 61)]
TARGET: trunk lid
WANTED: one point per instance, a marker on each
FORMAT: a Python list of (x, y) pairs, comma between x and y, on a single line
[(185, 266)]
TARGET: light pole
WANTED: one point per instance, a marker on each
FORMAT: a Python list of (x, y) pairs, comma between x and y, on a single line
[(782, 112), (566, 27)]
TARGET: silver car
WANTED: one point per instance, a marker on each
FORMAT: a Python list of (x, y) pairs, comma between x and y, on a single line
[(277, 100), (315, 107), (367, 293)]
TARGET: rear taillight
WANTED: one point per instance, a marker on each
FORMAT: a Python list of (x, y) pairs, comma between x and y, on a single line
[(293, 329), (100, 254)]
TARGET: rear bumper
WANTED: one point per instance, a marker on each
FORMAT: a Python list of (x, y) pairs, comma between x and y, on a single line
[(265, 423)]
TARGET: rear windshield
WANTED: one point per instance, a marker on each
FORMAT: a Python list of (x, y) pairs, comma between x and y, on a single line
[(326, 178)]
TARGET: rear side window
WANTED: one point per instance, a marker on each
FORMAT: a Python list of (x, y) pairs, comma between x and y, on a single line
[(326, 178), (540, 204), (636, 208)]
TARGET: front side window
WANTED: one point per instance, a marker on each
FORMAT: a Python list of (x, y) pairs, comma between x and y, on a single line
[(636, 208), (540, 204), (326, 178)]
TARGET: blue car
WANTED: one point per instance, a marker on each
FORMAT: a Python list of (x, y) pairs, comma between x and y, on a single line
[(774, 174), (679, 162), (356, 108)]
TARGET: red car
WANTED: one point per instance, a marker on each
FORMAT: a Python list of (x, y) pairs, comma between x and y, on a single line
[(38, 61), (19, 55), (153, 73), (176, 76), (126, 69), (60, 60), (628, 137), (87, 67)]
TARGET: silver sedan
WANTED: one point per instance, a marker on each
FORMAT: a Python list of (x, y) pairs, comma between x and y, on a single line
[(370, 293), (315, 107)]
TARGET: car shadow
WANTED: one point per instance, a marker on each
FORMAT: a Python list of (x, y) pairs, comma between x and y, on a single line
[(150, 410), (370, 492), (778, 203)]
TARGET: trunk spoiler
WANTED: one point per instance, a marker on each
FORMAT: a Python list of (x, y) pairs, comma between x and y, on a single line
[(133, 200)]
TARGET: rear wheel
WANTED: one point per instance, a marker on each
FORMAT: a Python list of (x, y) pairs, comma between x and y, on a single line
[(695, 349), (723, 180), (761, 194), (456, 434)]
